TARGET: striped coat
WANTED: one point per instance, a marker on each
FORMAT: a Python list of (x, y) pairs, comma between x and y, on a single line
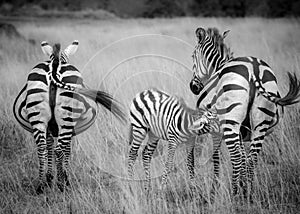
[(161, 116), (55, 103), (245, 93)]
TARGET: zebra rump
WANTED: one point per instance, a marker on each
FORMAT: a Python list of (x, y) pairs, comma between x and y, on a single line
[(55, 103)]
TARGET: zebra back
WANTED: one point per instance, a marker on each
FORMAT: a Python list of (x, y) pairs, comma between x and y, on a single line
[(163, 114)]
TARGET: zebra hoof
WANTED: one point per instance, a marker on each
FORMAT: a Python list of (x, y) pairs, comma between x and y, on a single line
[(235, 192), (66, 180), (61, 186), (63, 182), (248, 198), (40, 189), (251, 200), (49, 178)]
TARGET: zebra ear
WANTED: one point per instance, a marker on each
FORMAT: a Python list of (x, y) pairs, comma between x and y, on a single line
[(225, 33), (200, 34), (46, 48), (71, 49)]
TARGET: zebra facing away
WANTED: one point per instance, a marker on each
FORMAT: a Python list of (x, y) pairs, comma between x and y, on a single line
[(244, 92), (55, 103), (162, 116)]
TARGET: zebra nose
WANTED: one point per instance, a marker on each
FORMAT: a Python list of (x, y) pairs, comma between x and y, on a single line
[(201, 86), (195, 88)]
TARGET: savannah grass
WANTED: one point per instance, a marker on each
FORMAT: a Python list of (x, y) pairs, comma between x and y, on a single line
[(98, 178)]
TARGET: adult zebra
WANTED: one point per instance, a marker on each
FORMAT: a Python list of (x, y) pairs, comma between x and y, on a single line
[(166, 117), (55, 103), (245, 93)]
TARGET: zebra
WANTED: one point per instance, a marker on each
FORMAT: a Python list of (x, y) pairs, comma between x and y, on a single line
[(245, 93), (55, 103), (166, 117)]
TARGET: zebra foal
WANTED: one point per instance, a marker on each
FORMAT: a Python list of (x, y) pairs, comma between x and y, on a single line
[(55, 103), (166, 117)]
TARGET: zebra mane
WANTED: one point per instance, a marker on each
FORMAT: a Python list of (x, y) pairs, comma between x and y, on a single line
[(56, 51), (219, 41)]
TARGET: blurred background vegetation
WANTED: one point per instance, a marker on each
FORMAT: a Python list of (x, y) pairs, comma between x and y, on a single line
[(155, 8)]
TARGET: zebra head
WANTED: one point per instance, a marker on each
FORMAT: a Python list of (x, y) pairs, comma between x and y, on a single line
[(206, 121), (210, 54), (54, 52)]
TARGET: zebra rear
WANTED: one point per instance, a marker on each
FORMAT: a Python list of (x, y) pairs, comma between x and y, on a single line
[(55, 103)]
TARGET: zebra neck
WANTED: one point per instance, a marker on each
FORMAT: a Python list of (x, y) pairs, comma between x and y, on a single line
[(216, 65), (190, 119), (220, 66), (215, 69), (209, 88)]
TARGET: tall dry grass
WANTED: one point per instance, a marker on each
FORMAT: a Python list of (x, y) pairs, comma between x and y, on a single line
[(98, 162)]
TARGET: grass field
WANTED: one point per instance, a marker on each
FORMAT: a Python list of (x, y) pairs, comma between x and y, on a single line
[(125, 57)]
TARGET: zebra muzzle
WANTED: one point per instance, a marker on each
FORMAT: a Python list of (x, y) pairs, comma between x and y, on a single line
[(199, 124)]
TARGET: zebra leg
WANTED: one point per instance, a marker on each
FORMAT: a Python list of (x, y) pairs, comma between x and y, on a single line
[(262, 116), (63, 150), (138, 134), (255, 148), (59, 154), (39, 134), (217, 140), (190, 162), (67, 153), (243, 172), (50, 152), (170, 160), (232, 140), (147, 156)]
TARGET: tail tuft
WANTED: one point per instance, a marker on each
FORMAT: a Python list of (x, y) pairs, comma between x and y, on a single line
[(293, 94)]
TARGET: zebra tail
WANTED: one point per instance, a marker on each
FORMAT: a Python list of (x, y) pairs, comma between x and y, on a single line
[(130, 134), (106, 100), (290, 98), (293, 94)]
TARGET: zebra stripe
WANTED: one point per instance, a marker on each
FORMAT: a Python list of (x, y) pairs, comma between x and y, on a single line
[(244, 91), (55, 103), (162, 116)]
